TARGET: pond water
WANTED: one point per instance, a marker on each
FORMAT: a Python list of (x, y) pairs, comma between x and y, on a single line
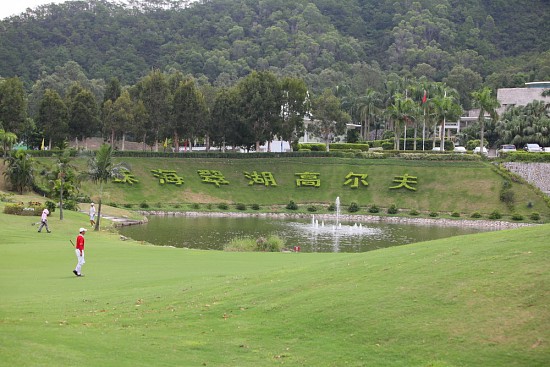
[(212, 233)]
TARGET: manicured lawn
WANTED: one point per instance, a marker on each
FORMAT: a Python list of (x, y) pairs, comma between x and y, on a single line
[(479, 300), (443, 187)]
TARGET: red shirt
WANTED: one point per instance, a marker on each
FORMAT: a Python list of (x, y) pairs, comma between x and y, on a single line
[(80, 242)]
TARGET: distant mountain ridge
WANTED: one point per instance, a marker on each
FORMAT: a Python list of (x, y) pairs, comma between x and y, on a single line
[(324, 41)]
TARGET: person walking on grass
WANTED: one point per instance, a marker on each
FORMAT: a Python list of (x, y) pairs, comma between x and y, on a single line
[(44, 220), (92, 214), (79, 249)]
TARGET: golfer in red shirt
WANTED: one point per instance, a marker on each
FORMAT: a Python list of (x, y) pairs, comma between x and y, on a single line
[(79, 249)]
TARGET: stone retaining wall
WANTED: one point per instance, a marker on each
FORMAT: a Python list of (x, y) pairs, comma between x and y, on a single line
[(495, 224), (537, 174)]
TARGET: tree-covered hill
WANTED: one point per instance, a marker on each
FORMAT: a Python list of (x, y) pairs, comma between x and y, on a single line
[(326, 42)]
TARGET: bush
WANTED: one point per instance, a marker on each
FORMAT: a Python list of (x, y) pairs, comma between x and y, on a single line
[(374, 209), (255, 206), (71, 205), (517, 216), (195, 206), (144, 205), (414, 212), (312, 208), (534, 216), (495, 215), (240, 206), (331, 207), (353, 207), (241, 244), (271, 244), (292, 205), (476, 215), (113, 204), (21, 209), (393, 209), (223, 206), (50, 205), (455, 214), (433, 214), (128, 205)]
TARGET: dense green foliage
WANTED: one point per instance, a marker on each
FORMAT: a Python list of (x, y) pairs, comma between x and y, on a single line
[(351, 42)]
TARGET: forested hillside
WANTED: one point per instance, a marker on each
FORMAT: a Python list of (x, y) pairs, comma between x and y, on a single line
[(464, 43)]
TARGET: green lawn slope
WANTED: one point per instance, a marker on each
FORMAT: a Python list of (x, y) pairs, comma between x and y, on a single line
[(443, 187), (478, 300)]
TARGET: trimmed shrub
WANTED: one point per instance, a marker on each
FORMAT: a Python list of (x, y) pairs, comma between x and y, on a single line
[(331, 207), (128, 205), (455, 214), (195, 206), (517, 216), (223, 206), (374, 209), (495, 215), (144, 205), (414, 212), (393, 209), (292, 205), (255, 206), (240, 206), (476, 215), (534, 216), (433, 214), (353, 207), (312, 208)]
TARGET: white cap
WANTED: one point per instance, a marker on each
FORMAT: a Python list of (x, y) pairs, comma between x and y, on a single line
[(92, 204), (82, 230)]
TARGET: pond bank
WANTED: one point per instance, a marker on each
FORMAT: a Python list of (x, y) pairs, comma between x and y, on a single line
[(493, 224)]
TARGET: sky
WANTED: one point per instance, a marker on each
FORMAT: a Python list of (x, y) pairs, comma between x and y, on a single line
[(16, 7)]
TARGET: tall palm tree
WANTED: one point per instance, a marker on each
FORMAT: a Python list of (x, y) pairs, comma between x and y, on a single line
[(101, 169), (367, 106), (401, 112), (487, 103), (445, 107)]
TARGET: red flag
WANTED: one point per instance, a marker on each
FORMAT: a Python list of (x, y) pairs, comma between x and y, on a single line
[(425, 97)]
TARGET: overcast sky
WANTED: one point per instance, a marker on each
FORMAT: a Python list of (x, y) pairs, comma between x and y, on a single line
[(16, 7)]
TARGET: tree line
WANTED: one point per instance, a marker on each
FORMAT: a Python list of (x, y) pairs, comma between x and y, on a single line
[(174, 109)]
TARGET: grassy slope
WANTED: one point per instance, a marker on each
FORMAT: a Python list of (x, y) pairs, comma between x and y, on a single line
[(480, 300), (442, 186)]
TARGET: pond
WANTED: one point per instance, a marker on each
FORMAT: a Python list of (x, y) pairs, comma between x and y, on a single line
[(212, 233)]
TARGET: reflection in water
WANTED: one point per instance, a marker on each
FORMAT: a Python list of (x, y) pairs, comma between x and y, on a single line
[(212, 233)]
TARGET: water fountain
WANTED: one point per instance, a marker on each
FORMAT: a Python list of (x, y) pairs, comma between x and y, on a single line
[(337, 212)]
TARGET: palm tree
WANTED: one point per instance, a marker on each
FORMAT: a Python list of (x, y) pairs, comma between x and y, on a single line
[(445, 107), (486, 103), (62, 178), (401, 112), (100, 170), (7, 139), (368, 106), (20, 171)]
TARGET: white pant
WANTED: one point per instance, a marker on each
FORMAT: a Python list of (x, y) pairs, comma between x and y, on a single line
[(80, 259)]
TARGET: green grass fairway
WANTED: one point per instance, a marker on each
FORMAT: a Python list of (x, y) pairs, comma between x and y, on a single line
[(478, 300)]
